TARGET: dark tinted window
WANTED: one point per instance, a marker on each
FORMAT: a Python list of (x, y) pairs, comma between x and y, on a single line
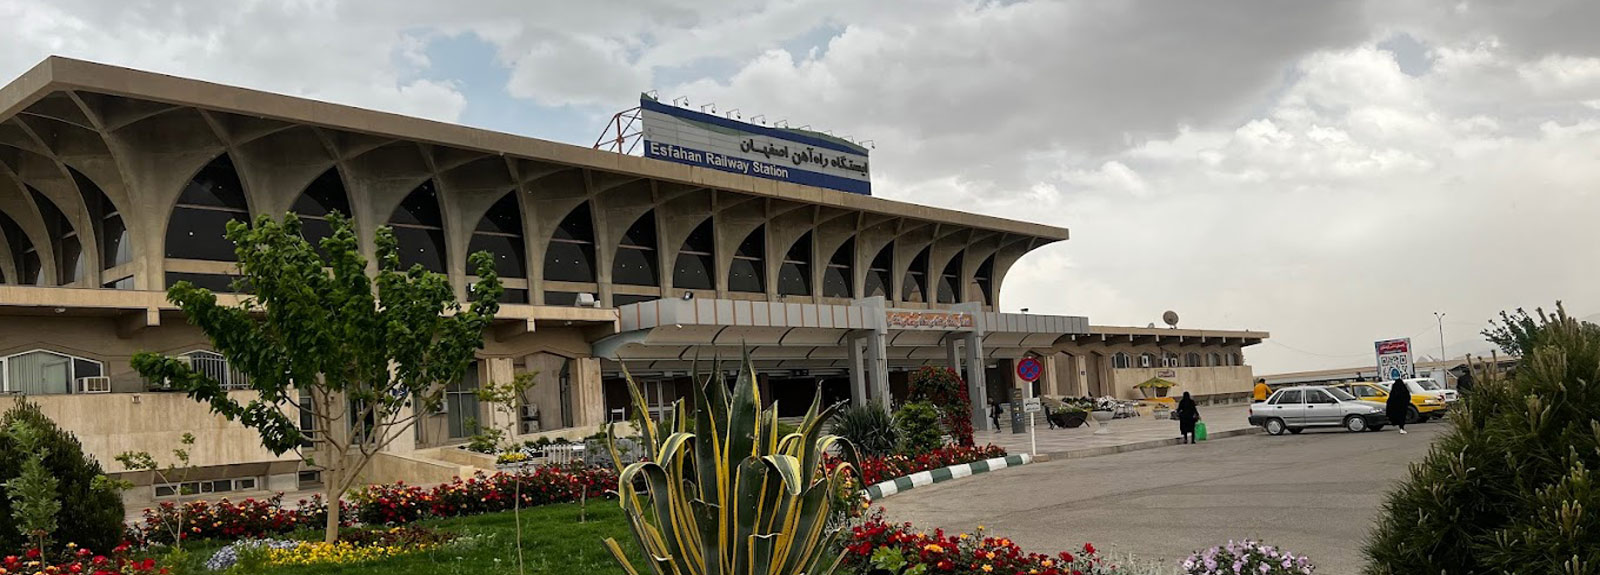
[(879, 273), (213, 198), (984, 277), (500, 234), (570, 257), (419, 230), (950, 281), (794, 276), (63, 238), (837, 279), (622, 299), (745, 274), (107, 221), (695, 267), (915, 285), (324, 196), (514, 296), (22, 253), (560, 298), (636, 257)]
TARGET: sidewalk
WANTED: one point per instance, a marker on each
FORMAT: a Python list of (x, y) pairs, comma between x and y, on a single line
[(1125, 434)]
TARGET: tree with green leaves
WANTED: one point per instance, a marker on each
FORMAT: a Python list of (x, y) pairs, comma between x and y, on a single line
[(91, 511), (360, 357), (34, 499), (1511, 487), (507, 399), (175, 472)]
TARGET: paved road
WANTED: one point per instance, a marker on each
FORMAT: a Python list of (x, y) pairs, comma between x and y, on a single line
[(1316, 493)]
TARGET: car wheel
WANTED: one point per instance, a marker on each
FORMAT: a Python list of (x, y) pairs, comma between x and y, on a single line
[(1296, 430), (1355, 423), (1413, 416), (1275, 427)]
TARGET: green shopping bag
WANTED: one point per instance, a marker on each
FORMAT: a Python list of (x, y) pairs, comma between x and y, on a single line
[(1199, 431)]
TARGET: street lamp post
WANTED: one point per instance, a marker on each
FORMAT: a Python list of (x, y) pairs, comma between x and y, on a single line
[(1439, 316)]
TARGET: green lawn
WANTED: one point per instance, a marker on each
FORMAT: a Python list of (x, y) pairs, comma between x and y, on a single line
[(554, 542)]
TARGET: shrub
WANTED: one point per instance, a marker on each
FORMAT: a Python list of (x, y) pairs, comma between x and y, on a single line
[(224, 519), (918, 422), (898, 549), (1509, 487), (869, 427), (1251, 557), (79, 560), (945, 389), (91, 508)]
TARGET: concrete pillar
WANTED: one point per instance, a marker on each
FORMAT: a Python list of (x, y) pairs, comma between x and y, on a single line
[(1050, 385), (878, 366), (499, 371), (858, 372), (976, 388), (952, 352), (588, 393)]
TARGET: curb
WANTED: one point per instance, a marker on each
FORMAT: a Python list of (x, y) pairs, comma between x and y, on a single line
[(942, 474), (1151, 444)]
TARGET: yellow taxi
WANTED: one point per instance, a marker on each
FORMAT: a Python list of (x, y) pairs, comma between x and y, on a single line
[(1423, 407)]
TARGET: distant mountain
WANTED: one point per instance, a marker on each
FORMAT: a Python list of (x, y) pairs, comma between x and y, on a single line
[(1594, 319)]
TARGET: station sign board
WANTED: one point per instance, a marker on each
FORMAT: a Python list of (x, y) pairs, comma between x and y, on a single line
[(797, 156), (945, 320), (1394, 359)]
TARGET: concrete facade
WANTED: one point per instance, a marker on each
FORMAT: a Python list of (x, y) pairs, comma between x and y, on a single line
[(115, 183)]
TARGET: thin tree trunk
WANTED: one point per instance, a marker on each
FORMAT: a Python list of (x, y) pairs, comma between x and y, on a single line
[(331, 490)]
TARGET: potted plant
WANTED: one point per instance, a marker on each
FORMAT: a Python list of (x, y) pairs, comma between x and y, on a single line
[(1069, 415), (1155, 387), (1104, 410)]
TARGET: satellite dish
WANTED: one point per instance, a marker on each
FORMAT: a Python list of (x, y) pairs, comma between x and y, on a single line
[(1171, 317)]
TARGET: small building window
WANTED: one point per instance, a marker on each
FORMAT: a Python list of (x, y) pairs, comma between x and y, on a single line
[(1121, 360), (1192, 359), (215, 366), (43, 372), (695, 267), (1169, 359), (461, 404), (1214, 360), (747, 271), (1147, 360), (794, 276)]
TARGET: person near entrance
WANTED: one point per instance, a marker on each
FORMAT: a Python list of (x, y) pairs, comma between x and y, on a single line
[(1188, 415), (994, 415), (1262, 391)]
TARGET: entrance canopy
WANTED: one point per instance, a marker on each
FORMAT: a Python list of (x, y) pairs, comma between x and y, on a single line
[(667, 335)]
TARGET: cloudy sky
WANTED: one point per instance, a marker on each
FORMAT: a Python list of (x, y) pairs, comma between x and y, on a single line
[(1333, 172)]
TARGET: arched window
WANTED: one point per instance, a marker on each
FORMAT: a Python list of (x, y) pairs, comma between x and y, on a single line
[(1214, 360), (1147, 360), (1191, 360), (500, 233), (570, 257), (419, 229), (115, 249), (879, 273), (209, 201), (64, 243), (950, 281), (324, 196), (839, 276), (1169, 359), (746, 273), (25, 258), (985, 280), (696, 267), (794, 276), (215, 366), (636, 255), (916, 281), (42, 372), (1121, 360), (1235, 360)]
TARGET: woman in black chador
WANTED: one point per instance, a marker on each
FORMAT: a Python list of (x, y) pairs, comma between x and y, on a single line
[(1188, 414), (1399, 404)]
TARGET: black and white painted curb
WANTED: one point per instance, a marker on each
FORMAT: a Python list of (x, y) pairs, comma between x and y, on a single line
[(942, 474)]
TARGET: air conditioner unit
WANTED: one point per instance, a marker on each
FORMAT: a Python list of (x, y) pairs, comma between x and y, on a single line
[(96, 384), (587, 300)]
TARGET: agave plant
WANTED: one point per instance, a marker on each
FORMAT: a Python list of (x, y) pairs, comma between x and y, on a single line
[(721, 492)]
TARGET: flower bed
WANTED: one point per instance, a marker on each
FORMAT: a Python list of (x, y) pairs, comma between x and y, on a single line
[(81, 561), (899, 549), (1251, 557), (878, 469), (393, 504)]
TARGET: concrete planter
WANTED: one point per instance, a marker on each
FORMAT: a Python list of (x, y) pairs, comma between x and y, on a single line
[(1102, 416), (1070, 419)]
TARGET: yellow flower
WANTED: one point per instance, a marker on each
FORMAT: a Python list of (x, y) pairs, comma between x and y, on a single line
[(987, 568), (964, 536), (1048, 563), (934, 547), (989, 555)]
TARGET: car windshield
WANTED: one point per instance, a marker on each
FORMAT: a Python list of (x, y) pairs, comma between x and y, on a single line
[(1429, 385), (1341, 394)]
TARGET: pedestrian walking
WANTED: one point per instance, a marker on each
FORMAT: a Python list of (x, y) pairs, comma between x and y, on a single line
[(1188, 415), (1399, 404), (994, 415), (1464, 383), (1262, 391)]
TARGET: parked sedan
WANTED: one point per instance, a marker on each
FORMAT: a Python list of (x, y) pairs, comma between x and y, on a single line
[(1423, 406), (1294, 409)]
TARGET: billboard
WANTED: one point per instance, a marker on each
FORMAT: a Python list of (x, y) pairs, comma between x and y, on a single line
[(710, 141), (1394, 359)]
